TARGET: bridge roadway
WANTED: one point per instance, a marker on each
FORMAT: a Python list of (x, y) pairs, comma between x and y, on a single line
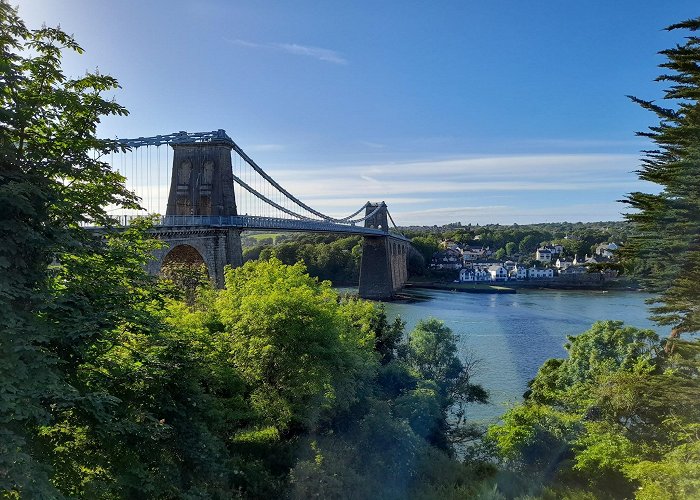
[(257, 223)]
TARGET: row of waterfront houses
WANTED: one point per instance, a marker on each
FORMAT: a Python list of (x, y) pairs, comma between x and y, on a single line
[(508, 271), (474, 266)]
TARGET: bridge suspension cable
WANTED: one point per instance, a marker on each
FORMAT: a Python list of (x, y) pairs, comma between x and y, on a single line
[(270, 193), (267, 200)]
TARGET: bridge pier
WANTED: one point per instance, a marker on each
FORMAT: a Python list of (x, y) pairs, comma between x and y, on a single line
[(384, 264), (202, 185), (376, 281)]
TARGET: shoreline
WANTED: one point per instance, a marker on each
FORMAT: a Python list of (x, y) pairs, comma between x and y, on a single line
[(461, 287), (514, 286)]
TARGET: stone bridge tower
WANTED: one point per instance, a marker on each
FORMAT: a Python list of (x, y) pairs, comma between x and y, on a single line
[(201, 184), (384, 265)]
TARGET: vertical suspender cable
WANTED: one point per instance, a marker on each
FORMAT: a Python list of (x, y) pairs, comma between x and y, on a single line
[(142, 183), (149, 203), (148, 177), (158, 179), (167, 167), (132, 170)]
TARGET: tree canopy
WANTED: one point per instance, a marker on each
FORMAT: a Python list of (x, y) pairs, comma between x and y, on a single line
[(52, 178), (667, 239), (616, 418)]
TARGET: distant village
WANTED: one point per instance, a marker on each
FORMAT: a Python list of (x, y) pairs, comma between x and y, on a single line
[(476, 264)]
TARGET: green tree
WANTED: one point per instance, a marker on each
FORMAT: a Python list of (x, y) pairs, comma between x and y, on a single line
[(289, 342), (528, 244), (668, 223), (427, 246), (609, 416), (432, 352), (52, 178), (135, 376)]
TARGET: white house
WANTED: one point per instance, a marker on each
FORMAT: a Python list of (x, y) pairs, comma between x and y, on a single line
[(543, 254), (474, 275), (466, 275), (537, 273), (519, 272), (562, 264), (498, 273), (606, 250)]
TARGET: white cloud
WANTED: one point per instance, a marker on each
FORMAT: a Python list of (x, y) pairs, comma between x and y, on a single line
[(296, 49), (468, 175), (525, 188), (258, 148), (504, 214), (372, 145), (503, 189), (488, 166), (315, 52), (358, 202)]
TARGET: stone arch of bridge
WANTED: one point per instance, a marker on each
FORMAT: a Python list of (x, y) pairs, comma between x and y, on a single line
[(183, 254), (190, 253)]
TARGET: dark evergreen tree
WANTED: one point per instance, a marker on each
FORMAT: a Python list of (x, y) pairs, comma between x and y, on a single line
[(668, 223)]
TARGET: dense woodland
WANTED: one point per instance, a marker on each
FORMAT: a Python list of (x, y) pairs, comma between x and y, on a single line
[(117, 384)]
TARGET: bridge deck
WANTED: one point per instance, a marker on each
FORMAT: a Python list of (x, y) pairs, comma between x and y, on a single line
[(255, 223)]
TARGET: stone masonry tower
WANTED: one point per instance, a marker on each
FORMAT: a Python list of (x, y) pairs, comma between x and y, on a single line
[(202, 180), (201, 185)]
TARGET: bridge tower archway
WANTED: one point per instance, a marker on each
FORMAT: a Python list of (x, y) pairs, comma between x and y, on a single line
[(216, 247), (183, 264), (183, 254)]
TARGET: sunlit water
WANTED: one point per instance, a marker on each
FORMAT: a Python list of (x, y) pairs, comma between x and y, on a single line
[(513, 334)]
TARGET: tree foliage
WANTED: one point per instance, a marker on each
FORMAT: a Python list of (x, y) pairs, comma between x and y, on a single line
[(618, 410), (668, 223), (52, 178)]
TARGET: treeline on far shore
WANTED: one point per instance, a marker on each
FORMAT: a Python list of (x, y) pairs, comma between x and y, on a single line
[(337, 257)]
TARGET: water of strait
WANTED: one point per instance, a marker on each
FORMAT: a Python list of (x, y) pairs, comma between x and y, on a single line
[(513, 334)]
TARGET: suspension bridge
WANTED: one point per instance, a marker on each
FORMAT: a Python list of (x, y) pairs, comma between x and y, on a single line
[(216, 191)]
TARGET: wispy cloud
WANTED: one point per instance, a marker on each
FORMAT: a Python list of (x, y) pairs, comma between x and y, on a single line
[(344, 203), (467, 175), (315, 52), (372, 145), (257, 148), (504, 189), (634, 142), (508, 214), (326, 55)]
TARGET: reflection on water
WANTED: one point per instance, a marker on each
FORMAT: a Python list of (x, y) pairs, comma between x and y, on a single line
[(513, 334)]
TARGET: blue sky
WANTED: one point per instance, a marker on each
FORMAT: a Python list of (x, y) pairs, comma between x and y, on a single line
[(471, 111)]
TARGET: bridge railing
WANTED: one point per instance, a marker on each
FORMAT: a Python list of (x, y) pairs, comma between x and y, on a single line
[(256, 223)]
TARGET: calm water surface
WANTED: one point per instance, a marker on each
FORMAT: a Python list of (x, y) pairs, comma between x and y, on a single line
[(513, 334)]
